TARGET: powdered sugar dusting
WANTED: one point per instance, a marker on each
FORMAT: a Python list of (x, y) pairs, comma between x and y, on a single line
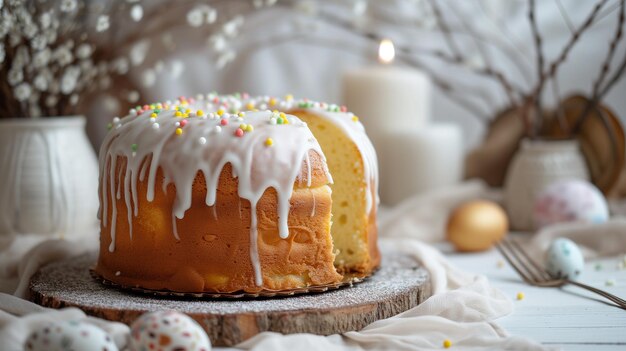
[(70, 282)]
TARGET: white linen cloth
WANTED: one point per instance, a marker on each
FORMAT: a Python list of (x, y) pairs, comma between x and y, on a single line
[(463, 308)]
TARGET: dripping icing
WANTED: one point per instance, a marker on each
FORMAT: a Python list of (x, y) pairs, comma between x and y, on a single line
[(276, 167)]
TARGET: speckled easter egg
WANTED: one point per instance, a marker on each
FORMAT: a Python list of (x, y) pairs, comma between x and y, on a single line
[(570, 200), (69, 335), (564, 259), (168, 331), (476, 225)]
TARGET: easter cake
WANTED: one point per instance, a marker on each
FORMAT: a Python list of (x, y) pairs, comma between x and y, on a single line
[(229, 193)]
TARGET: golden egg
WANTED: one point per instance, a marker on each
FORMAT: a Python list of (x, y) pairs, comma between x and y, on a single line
[(476, 225)]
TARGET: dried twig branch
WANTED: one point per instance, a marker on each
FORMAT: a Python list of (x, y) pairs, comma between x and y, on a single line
[(488, 69), (459, 58), (539, 52), (606, 65), (565, 16), (445, 31), (511, 53), (598, 92), (573, 40)]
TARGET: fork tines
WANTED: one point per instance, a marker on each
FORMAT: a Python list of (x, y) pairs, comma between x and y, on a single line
[(525, 266)]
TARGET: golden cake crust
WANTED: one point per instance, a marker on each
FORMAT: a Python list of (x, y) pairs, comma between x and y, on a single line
[(213, 253)]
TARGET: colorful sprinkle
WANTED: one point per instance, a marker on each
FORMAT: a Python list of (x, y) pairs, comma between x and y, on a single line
[(355, 119), (178, 114), (610, 282), (520, 296), (288, 97), (269, 142), (109, 126), (133, 147), (220, 112), (202, 140), (179, 131), (447, 343), (155, 126), (239, 132), (279, 120), (183, 123), (153, 115), (241, 114), (249, 106), (272, 101), (200, 113), (249, 128), (218, 129)]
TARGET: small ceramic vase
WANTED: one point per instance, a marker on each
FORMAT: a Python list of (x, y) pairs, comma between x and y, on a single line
[(537, 164), (48, 177)]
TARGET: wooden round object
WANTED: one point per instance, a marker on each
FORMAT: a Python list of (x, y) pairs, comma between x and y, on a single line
[(397, 286)]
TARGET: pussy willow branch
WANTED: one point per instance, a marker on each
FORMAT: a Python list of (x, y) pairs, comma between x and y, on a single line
[(446, 58), (488, 69), (459, 58), (560, 115), (512, 54), (575, 37), (573, 40), (565, 16), (606, 65), (598, 92), (532, 19), (501, 28), (445, 31)]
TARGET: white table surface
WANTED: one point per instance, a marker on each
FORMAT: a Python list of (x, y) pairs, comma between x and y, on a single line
[(571, 317)]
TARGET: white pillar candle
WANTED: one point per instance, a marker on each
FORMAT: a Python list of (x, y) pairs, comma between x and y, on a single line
[(379, 95), (383, 93), (412, 161)]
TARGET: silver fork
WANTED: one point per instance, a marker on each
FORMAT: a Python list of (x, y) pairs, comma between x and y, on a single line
[(533, 274)]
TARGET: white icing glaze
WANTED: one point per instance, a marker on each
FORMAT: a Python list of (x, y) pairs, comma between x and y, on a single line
[(180, 157), (335, 114), (208, 144)]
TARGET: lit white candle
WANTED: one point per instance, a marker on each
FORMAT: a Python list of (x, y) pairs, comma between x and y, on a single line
[(384, 92), (394, 105)]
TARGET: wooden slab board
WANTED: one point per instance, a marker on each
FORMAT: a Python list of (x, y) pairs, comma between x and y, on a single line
[(397, 286)]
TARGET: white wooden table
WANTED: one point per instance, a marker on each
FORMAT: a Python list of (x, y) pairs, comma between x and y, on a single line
[(571, 317)]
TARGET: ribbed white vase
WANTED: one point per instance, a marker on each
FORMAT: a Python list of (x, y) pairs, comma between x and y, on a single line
[(48, 177), (537, 164)]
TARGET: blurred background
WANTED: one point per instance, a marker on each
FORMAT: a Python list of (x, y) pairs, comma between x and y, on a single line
[(447, 90), (304, 48)]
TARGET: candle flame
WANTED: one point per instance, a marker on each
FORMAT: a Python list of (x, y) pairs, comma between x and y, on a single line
[(386, 51)]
